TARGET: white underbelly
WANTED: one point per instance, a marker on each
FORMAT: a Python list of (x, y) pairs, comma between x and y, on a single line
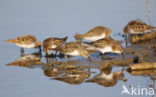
[(134, 32), (32, 45), (105, 49), (72, 75), (53, 46), (117, 51), (94, 38), (74, 53), (107, 76)]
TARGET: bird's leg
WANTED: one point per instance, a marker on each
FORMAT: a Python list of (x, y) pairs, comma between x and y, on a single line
[(47, 60), (103, 57), (126, 37), (89, 59), (22, 51), (55, 53), (123, 69), (40, 50), (46, 55), (122, 55)]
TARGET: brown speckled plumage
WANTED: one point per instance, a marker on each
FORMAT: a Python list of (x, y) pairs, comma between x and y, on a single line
[(71, 47), (27, 41), (106, 42), (53, 43), (95, 32), (137, 27)]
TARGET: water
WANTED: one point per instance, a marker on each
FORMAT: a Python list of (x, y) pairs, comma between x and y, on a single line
[(59, 18)]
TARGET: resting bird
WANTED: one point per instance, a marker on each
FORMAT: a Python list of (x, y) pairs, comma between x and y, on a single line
[(94, 34)]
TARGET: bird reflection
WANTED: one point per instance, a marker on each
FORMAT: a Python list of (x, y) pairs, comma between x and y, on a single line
[(54, 68), (107, 78), (74, 75), (27, 60), (53, 72), (148, 72)]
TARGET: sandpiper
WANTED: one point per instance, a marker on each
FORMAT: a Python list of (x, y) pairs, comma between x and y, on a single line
[(94, 34), (136, 27), (74, 49), (26, 41), (52, 44), (106, 45)]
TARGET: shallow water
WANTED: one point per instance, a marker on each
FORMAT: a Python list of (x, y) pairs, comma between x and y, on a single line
[(58, 18)]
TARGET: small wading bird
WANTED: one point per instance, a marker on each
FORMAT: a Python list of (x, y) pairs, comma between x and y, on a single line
[(52, 44), (136, 27), (106, 45), (94, 34), (26, 41), (73, 49)]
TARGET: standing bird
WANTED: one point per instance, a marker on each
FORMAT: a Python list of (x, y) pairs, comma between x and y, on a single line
[(106, 45), (26, 41), (52, 44), (94, 34), (136, 27), (74, 49)]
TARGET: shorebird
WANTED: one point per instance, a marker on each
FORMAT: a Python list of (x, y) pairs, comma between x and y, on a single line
[(52, 44), (26, 41), (106, 45), (74, 49), (94, 34), (136, 27)]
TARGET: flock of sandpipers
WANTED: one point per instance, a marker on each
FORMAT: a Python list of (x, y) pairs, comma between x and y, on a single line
[(99, 37)]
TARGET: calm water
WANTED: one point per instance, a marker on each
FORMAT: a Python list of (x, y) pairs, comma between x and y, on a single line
[(58, 18)]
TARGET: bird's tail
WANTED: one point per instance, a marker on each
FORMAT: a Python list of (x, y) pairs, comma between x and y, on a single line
[(65, 38), (90, 80), (88, 43), (88, 46), (154, 27)]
